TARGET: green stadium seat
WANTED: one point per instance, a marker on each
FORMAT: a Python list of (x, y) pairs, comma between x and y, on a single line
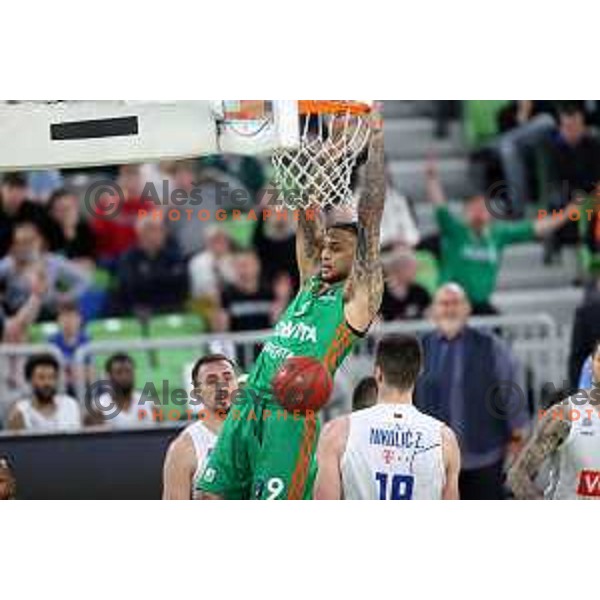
[(120, 329), (176, 325), (115, 329), (428, 273), (481, 120), (40, 332), (170, 364)]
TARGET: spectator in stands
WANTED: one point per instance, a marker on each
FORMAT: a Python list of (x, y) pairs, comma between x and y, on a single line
[(238, 171), (590, 372), (523, 125), (275, 244), (472, 246), (518, 113), (120, 405), (463, 366), (27, 259), (46, 410), (16, 208), (399, 223), (403, 298), (585, 334), (115, 229), (8, 483), (571, 157), (211, 270), (76, 238), (69, 339), (152, 275), (184, 223), (42, 184), (365, 394), (250, 303), (14, 330), (569, 161)]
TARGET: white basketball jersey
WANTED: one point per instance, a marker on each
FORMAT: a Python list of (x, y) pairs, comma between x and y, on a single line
[(66, 416), (577, 462), (204, 441), (393, 452)]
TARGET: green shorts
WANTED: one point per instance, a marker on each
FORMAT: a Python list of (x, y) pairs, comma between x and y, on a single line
[(264, 453)]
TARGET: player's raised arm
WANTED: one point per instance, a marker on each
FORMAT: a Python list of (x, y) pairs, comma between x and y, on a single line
[(553, 430), (309, 242), (365, 284)]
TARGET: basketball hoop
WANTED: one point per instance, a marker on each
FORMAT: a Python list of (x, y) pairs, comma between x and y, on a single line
[(333, 134)]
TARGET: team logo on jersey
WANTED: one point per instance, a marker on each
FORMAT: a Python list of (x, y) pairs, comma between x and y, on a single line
[(302, 310), (209, 475), (589, 484)]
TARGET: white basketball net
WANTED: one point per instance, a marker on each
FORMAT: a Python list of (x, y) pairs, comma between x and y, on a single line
[(320, 169)]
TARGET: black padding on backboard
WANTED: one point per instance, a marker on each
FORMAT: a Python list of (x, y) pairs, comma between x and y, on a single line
[(94, 128)]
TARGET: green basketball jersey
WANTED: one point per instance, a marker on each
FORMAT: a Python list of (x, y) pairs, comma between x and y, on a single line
[(312, 325)]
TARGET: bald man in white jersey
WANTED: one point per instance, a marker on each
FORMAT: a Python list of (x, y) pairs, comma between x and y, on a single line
[(391, 451), (215, 381), (567, 440)]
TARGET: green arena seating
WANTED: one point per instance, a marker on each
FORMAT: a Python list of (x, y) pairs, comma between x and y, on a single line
[(481, 120), (40, 332), (428, 272), (170, 364)]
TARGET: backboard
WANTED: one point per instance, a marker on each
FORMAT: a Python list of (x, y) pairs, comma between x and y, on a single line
[(81, 133)]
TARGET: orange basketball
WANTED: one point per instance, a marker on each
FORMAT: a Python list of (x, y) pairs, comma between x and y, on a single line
[(303, 384)]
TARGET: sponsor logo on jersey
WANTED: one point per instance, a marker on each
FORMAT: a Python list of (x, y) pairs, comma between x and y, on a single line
[(589, 484), (388, 456), (296, 331), (277, 352), (396, 438)]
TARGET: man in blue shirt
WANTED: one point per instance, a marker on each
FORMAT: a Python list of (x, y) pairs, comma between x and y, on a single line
[(69, 339)]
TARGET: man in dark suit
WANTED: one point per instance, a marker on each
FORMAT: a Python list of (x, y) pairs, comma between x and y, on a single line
[(469, 382)]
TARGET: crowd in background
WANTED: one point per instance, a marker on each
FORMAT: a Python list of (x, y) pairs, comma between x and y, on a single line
[(62, 261)]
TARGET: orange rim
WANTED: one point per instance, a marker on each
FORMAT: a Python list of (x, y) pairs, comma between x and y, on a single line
[(333, 107)]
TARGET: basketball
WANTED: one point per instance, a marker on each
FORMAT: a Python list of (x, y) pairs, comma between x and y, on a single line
[(302, 384)]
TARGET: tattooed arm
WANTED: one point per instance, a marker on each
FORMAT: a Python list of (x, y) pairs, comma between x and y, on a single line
[(365, 285), (309, 240), (552, 431)]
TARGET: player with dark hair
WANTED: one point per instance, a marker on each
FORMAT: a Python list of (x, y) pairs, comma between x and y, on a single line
[(214, 379), (567, 440), (260, 454), (46, 410), (365, 394), (391, 451), (119, 404)]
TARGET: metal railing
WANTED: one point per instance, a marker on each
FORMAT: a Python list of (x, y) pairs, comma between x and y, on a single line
[(534, 340)]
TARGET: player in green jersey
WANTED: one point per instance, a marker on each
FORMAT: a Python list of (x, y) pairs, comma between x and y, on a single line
[(265, 452)]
